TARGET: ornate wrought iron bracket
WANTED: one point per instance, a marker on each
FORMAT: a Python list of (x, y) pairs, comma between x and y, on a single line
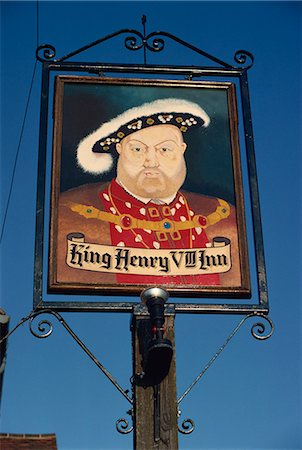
[(258, 332), (152, 42), (45, 329)]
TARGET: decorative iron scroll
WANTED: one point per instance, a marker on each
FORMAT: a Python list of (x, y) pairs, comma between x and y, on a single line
[(45, 329), (187, 426), (260, 327), (122, 426), (153, 42), (242, 56), (41, 329), (48, 51)]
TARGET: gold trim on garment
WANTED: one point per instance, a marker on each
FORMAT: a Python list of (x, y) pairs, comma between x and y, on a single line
[(128, 222)]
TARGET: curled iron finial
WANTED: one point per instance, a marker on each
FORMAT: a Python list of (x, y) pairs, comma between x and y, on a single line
[(135, 41), (258, 329), (156, 45), (48, 51), (122, 426), (44, 332), (187, 426), (243, 56)]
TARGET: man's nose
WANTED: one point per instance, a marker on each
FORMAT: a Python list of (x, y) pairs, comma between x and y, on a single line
[(151, 157)]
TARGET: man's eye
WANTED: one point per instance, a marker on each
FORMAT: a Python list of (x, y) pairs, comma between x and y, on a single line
[(165, 149), (137, 149)]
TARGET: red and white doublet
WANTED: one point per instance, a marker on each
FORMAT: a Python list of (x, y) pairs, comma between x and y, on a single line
[(117, 201)]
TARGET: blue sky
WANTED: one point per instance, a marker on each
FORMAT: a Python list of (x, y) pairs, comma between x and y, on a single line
[(251, 396)]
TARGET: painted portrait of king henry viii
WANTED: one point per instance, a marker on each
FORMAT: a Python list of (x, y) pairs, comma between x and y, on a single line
[(146, 188)]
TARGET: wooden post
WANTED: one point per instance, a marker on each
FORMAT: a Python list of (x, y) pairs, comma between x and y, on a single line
[(155, 407)]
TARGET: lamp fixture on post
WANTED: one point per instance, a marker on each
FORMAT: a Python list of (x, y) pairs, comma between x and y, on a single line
[(159, 350)]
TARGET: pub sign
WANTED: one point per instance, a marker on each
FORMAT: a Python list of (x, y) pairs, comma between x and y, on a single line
[(147, 188)]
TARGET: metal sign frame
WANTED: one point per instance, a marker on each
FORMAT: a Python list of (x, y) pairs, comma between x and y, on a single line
[(153, 42)]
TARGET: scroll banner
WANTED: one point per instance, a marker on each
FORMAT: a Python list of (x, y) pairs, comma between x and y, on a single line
[(136, 261)]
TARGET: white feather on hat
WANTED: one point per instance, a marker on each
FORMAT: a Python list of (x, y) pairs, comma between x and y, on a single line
[(109, 133)]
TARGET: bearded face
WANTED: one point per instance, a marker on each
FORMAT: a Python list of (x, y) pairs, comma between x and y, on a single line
[(151, 161)]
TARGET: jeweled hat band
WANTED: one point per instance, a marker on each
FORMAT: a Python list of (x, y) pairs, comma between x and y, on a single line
[(181, 121), (94, 151)]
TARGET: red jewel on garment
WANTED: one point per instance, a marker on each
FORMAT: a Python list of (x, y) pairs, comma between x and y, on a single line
[(202, 221), (126, 221)]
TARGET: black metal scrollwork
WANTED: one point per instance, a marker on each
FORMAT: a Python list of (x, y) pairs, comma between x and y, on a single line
[(153, 42), (131, 42), (43, 332), (122, 426), (49, 52), (258, 329), (187, 426), (135, 40), (156, 45), (242, 56)]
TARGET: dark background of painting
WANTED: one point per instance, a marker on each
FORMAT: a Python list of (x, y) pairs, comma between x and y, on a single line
[(208, 156)]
